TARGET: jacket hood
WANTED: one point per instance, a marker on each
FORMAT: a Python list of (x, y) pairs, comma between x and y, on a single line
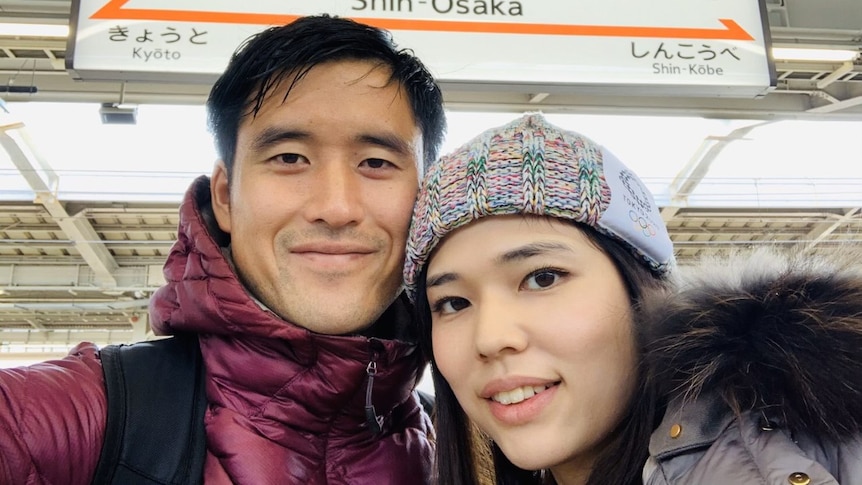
[(203, 295), (287, 405), (779, 335)]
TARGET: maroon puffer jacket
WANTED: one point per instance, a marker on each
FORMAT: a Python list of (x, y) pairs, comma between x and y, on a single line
[(286, 406), (52, 420)]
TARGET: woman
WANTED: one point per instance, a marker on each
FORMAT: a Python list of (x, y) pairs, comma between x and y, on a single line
[(539, 264)]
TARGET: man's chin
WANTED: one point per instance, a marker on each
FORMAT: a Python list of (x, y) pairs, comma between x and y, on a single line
[(327, 319), (338, 307)]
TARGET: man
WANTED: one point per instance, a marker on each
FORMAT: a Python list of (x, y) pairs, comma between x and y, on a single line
[(287, 270)]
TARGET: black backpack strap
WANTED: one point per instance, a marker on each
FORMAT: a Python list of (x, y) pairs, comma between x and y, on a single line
[(155, 423)]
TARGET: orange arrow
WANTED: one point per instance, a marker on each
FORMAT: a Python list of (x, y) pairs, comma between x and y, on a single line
[(113, 10)]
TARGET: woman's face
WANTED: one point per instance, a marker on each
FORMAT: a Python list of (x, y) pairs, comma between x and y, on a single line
[(532, 328)]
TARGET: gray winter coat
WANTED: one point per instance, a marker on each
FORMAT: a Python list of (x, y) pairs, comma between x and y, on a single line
[(763, 368)]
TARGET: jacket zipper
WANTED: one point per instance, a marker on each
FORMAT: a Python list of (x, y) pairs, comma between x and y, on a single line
[(375, 422)]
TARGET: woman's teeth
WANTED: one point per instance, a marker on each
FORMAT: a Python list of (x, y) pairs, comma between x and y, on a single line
[(517, 395)]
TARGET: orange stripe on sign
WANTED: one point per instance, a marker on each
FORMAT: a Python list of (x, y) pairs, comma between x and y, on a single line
[(113, 10)]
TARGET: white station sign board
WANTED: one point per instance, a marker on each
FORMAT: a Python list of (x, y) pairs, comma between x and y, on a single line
[(686, 47)]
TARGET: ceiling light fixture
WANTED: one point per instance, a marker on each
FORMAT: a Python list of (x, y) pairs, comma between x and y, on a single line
[(115, 114), (813, 54), (119, 113), (34, 30)]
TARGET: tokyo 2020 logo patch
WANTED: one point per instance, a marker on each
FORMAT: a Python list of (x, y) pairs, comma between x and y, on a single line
[(640, 203), (636, 190)]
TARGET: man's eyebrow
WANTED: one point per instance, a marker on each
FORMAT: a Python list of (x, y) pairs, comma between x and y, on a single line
[(530, 250), (386, 140), (274, 135), (440, 279)]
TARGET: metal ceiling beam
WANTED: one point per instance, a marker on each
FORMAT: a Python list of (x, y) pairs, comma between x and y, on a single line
[(761, 214), (103, 228), (835, 75), (823, 230), (105, 307), (36, 8), (52, 244), (839, 106), (67, 337), (57, 86), (73, 277), (698, 165), (122, 260), (669, 212), (16, 141)]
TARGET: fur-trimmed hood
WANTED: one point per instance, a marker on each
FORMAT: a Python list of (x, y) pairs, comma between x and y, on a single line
[(781, 335)]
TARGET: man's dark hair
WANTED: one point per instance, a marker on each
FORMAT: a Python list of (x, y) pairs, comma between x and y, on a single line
[(267, 58)]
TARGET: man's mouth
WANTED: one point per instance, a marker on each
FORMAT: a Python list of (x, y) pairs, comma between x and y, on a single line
[(331, 249)]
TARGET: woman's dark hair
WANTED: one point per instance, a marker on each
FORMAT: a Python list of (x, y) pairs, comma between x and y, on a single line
[(290, 51), (626, 448)]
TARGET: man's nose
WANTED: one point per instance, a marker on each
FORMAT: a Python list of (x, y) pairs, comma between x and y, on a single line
[(336, 197)]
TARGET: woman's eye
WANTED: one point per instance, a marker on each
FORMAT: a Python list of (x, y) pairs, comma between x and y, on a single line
[(541, 279), (448, 306)]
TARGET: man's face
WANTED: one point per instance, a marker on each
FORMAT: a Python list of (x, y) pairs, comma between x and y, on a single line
[(321, 195)]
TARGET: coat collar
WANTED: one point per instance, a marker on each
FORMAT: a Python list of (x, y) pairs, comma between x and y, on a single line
[(776, 334), (248, 347), (690, 425)]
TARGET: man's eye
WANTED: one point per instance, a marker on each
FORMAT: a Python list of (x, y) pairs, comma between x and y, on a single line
[(376, 163), (450, 305), (289, 158), (541, 279)]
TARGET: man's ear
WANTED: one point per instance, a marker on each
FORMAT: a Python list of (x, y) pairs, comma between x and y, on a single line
[(220, 192)]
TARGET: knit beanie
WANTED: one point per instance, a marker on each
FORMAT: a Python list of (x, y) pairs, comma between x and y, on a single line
[(530, 166)]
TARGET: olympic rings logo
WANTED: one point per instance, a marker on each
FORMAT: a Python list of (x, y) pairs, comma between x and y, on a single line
[(641, 223)]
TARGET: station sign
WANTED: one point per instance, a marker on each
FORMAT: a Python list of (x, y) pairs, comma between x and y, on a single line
[(664, 47)]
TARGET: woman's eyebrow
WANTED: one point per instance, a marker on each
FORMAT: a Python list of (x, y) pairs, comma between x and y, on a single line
[(440, 279), (530, 250)]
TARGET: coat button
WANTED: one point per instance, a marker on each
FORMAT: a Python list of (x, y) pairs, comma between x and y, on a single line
[(799, 478), (675, 431)]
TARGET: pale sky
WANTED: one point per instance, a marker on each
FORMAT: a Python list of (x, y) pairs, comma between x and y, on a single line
[(801, 163)]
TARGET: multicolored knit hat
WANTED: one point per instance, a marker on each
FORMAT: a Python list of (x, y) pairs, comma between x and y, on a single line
[(530, 166)]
